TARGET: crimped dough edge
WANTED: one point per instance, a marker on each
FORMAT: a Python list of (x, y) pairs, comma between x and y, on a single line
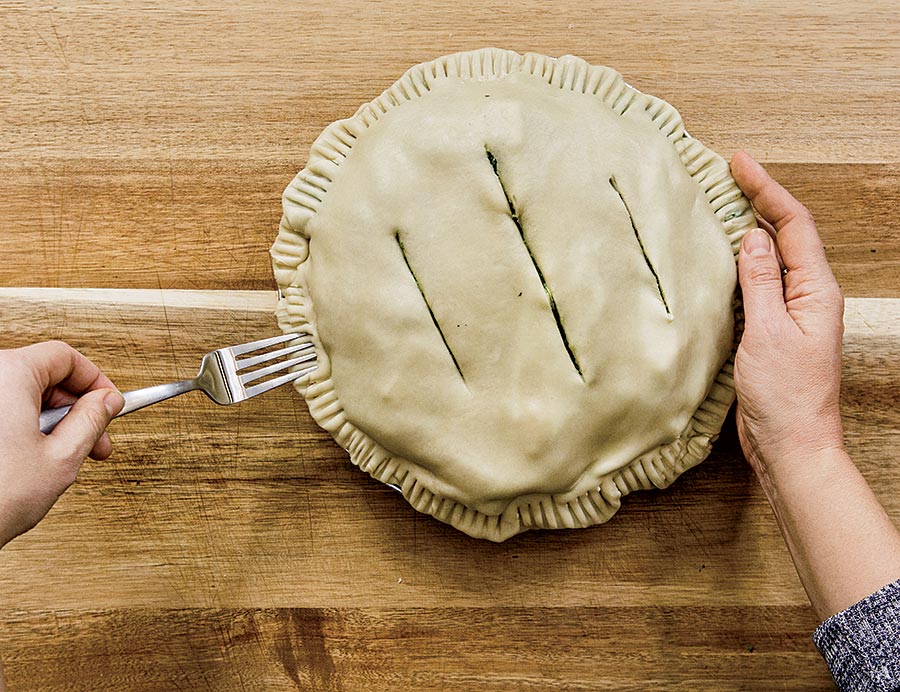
[(295, 312)]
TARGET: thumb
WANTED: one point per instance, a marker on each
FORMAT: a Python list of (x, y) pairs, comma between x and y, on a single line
[(760, 277), (76, 434)]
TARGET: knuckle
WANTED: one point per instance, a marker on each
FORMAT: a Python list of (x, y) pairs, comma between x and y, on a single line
[(58, 346), (763, 273), (798, 213), (38, 355), (67, 472), (96, 422), (804, 215), (832, 298)]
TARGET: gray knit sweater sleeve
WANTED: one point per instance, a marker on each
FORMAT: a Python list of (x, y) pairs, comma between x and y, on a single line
[(861, 645)]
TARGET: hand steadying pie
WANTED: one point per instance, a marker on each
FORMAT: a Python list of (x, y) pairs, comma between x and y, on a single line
[(787, 368), (787, 375)]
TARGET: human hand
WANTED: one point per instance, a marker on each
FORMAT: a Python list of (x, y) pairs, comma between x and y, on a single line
[(35, 469), (787, 367), (787, 376)]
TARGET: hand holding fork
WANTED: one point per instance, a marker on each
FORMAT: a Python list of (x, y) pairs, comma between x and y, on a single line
[(225, 375)]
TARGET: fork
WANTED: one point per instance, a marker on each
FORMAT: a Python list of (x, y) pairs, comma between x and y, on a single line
[(224, 376)]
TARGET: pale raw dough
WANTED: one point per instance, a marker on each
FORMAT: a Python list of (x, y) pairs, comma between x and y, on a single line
[(519, 276)]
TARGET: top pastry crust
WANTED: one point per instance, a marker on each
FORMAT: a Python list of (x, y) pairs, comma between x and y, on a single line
[(519, 277)]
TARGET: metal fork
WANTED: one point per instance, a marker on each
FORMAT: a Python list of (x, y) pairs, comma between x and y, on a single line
[(223, 376)]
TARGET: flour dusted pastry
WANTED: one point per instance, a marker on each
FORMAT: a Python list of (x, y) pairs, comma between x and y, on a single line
[(519, 276)]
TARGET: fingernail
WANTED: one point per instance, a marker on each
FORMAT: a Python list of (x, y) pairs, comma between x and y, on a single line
[(757, 242), (113, 403)]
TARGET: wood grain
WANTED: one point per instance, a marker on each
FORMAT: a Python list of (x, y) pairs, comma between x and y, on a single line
[(206, 520), (145, 146), (208, 224), (149, 147), (584, 649)]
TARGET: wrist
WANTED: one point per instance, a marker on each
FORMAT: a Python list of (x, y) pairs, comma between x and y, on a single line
[(794, 441), (804, 467), (841, 540)]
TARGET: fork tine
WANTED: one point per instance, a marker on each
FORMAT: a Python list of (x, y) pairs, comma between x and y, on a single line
[(277, 367), (277, 382), (240, 349), (243, 363)]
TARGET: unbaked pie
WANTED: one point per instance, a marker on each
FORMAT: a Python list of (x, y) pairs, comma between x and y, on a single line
[(519, 276)]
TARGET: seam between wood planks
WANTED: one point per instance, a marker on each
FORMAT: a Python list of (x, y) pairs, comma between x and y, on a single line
[(865, 315), (261, 301)]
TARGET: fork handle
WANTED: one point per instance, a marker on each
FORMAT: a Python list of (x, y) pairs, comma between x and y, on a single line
[(134, 400)]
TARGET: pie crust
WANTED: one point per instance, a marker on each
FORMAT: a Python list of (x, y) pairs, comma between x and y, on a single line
[(518, 273)]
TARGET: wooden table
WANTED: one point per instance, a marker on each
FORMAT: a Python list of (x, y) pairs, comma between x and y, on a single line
[(143, 151)]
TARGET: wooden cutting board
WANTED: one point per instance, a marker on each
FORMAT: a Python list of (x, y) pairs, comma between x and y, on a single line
[(143, 151)]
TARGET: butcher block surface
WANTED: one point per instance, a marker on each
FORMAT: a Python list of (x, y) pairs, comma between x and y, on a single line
[(143, 151)]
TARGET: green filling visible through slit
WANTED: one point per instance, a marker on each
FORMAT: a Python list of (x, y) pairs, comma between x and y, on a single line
[(427, 304), (614, 185), (515, 217)]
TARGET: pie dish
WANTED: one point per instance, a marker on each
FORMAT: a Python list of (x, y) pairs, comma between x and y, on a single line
[(518, 273)]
